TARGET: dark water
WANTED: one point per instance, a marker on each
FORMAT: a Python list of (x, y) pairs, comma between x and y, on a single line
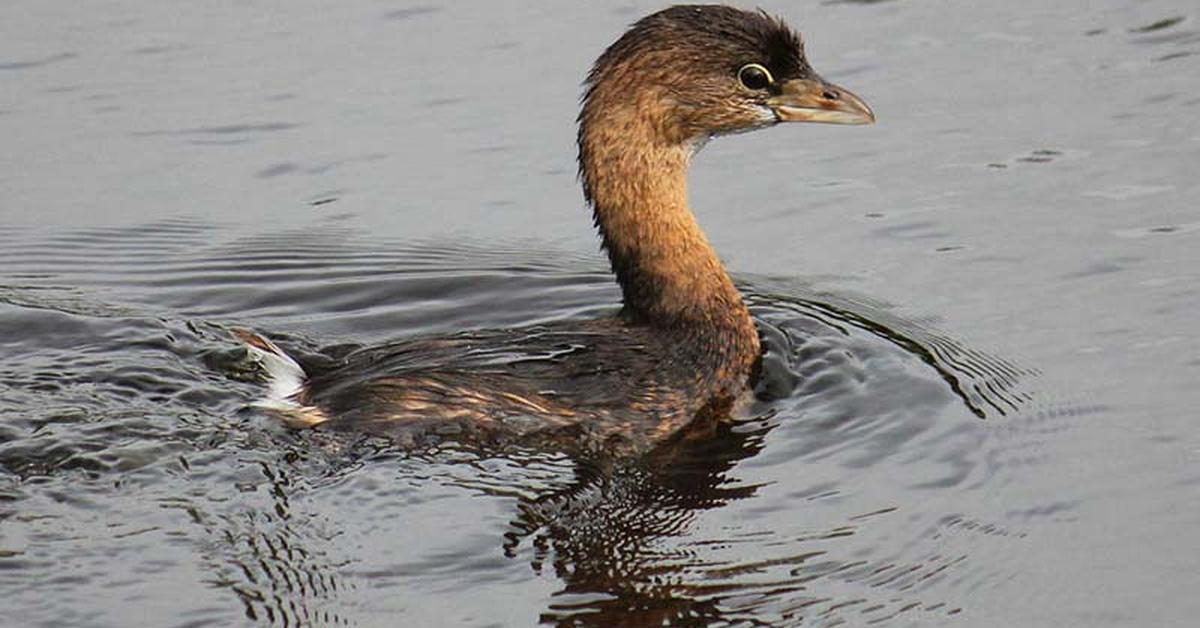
[(980, 319)]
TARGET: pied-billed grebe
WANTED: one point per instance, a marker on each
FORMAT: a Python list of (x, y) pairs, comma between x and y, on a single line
[(683, 346)]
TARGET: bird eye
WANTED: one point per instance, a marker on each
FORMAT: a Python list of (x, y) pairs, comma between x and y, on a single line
[(754, 76)]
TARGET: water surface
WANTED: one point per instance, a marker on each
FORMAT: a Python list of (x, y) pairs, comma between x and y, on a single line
[(979, 316)]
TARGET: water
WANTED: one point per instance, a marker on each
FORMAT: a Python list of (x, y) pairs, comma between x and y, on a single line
[(979, 314)]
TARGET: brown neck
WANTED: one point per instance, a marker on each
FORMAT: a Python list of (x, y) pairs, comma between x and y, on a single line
[(635, 175)]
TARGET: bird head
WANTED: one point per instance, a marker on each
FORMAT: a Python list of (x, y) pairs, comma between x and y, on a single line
[(704, 70)]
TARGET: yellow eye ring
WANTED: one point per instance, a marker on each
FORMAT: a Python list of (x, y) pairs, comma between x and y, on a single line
[(755, 76)]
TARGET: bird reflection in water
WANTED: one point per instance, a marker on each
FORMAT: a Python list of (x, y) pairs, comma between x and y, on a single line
[(602, 534)]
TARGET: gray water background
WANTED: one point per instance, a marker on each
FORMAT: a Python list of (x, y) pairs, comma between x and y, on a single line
[(1030, 190)]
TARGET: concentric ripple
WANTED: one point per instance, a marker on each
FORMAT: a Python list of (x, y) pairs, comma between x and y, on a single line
[(852, 493)]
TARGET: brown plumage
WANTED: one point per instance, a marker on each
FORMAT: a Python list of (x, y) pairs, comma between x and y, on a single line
[(684, 346)]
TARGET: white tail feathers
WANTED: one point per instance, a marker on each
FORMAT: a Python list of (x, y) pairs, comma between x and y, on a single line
[(285, 380)]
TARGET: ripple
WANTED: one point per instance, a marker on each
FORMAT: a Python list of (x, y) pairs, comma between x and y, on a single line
[(37, 63), (123, 397)]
